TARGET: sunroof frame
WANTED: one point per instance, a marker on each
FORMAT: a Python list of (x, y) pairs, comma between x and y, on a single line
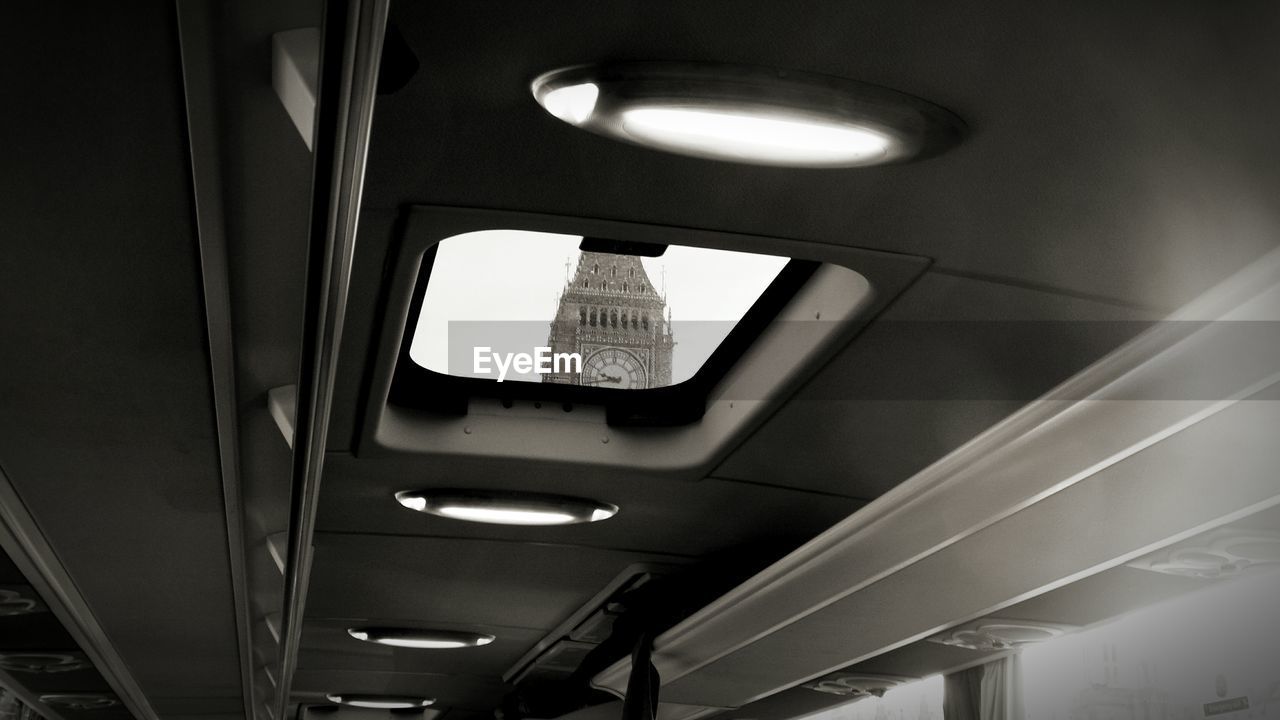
[(850, 287), (416, 387)]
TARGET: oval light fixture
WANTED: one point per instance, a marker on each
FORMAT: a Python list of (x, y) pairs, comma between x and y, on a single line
[(748, 114), (421, 639), (506, 508), (79, 701), (43, 663), (380, 702)]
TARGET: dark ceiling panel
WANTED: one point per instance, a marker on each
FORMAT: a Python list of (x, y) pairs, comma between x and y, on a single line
[(481, 582), (9, 573), (106, 430), (465, 714), (185, 708), (40, 631)]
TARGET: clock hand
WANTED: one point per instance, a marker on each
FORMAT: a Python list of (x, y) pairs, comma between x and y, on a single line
[(601, 379)]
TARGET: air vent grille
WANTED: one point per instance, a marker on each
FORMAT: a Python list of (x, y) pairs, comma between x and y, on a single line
[(996, 634), (1225, 552), (856, 685)]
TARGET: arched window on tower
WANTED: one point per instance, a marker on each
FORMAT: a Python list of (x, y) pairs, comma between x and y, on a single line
[(593, 317), (635, 322), (595, 268), (613, 318), (604, 286), (624, 287), (582, 316), (613, 271), (631, 272), (644, 322)]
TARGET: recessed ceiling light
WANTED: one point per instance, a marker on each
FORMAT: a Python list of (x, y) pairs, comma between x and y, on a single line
[(572, 103), (380, 702), (422, 639), (746, 114), (506, 508)]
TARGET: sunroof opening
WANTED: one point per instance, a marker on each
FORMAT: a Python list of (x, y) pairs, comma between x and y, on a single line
[(535, 307)]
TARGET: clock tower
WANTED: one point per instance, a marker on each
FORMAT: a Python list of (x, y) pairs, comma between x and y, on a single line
[(613, 317)]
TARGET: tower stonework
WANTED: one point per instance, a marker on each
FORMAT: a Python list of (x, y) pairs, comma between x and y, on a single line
[(613, 317)]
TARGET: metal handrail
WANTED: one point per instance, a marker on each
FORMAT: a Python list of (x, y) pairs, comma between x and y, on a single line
[(343, 121)]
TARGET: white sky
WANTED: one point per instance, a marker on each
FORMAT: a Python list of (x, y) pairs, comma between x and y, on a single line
[(514, 276)]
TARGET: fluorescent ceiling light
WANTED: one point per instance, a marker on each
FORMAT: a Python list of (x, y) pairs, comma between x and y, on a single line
[(380, 702), (747, 114), (742, 135), (420, 639), (505, 516), (573, 103), (504, 508)]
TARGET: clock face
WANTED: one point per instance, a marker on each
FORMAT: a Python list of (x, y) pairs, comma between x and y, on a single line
[(613, 368)]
